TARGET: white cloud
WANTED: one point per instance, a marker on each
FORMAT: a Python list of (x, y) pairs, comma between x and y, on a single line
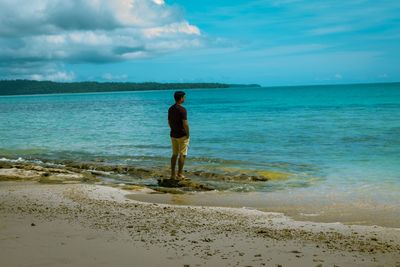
[(58, 76), (89, 31), (174, 28), (159, 2)]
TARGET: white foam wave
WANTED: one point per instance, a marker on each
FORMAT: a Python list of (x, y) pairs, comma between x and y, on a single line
[(35, 161), (13, 160)]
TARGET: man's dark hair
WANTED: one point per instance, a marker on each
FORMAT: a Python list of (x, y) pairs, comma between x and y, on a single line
[(178, 95)]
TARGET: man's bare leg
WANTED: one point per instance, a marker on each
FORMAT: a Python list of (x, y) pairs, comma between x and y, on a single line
[(181, 163), (173, 164)]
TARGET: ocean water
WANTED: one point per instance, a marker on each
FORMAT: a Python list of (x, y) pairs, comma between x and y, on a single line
[(342, 138)]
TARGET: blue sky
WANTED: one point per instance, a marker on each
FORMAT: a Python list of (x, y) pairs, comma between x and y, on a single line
[(275, 42)]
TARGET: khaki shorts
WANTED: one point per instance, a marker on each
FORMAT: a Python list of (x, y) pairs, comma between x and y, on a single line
[(180, 145)]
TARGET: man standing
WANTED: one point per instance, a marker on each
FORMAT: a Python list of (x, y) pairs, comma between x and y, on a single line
[(177, 120)]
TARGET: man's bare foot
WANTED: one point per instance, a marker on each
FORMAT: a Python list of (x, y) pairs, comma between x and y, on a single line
[(181, 177)]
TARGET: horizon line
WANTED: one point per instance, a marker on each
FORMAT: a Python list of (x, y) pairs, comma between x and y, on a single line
[(223, 83)]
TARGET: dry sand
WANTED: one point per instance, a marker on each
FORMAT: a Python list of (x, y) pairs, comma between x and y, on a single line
[(96, 225)]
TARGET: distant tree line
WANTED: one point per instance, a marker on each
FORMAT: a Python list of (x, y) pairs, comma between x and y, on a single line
[(27, 87)]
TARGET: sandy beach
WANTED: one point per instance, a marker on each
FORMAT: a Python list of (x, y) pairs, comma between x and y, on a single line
[(72, 223)]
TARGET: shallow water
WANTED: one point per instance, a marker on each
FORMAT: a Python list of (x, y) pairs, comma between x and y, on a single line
[(342, 139)]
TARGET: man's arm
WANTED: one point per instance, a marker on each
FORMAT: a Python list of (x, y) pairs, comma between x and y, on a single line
[(186, 127)]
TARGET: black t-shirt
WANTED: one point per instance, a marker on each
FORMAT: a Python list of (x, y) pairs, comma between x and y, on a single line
[(176, 116)]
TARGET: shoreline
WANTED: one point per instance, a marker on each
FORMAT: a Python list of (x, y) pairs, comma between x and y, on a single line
[(306, 209), (33, 87), (90, 218), (297, 203)]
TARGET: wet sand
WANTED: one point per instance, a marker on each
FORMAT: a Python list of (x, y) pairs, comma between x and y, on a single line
[(297, 204), (95, 225)]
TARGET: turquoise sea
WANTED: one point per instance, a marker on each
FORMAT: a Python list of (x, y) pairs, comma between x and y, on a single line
[(341, 139)]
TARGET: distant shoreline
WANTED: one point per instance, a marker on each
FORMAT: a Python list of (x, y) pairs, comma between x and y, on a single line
[(30, 87)]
